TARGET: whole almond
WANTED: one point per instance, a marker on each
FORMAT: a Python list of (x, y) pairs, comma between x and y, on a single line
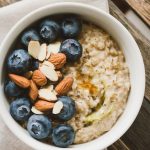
[(64, 86), (39, 78), (42, 105), (33, 91), (19, 80), (58, 60)]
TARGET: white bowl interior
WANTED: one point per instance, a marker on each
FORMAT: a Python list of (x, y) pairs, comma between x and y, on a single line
[(133, 59)]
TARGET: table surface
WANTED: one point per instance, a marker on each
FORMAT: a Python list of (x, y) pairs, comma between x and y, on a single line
[(138, 136)]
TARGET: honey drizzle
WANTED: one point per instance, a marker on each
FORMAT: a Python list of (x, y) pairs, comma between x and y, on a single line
[(86, 83)]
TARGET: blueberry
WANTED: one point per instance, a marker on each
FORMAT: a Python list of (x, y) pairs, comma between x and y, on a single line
[(20, 109), (72, 49), (19, 62), (12, 90), (29, 35), (71, 27), (68, 110), (35, 64), (63, 135), (39, 126), (49, 30), (50, 22)]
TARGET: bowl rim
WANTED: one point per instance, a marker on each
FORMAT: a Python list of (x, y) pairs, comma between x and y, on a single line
[(35, 144)]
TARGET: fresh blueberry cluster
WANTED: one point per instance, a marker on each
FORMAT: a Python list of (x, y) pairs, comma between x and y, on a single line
[(50, 30), (45, 124)]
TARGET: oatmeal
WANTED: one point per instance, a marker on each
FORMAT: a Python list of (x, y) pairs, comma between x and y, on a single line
[(101, 84)]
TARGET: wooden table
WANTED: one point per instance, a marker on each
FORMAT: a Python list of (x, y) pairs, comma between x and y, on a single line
[(138, 136)]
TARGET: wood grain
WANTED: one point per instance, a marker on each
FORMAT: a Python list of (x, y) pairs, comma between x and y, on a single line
[(138, 136), (122, 5), (119, 145), (142, 8)]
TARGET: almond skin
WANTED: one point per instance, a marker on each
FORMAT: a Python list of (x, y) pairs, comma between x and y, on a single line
[(64, 86), (33, 91), (19, 80), (39, 78), (58, 60), (42, 105)]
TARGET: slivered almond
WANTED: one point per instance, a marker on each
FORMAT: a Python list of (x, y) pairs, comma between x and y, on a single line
[(19, 80), (35, 111), (42, 105), (50, 87), (42, 52), (33, 91), (34, 49), (49, 64), (39, 78), (47, 94), (58, 60), (64, 86), (53, 48), (49, 72), (58, 106)]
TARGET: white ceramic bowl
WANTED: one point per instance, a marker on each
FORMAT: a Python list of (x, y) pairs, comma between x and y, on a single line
[(133, 59)]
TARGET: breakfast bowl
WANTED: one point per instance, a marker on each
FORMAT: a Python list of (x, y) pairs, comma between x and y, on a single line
[(133, 60)]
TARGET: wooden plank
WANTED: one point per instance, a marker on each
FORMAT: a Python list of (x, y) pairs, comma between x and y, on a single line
[(142, 8), (143, 43), (122, 5), (119, 145)]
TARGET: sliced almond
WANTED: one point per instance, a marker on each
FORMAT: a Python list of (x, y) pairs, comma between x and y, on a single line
[(34, 49), (47, 94), (35, 111), (55, 92), (33, 92), (49, 72), (50, 87), (42, 105), (19, 80), (58, 106), (49, 64), (53, 48), (42, 52)]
